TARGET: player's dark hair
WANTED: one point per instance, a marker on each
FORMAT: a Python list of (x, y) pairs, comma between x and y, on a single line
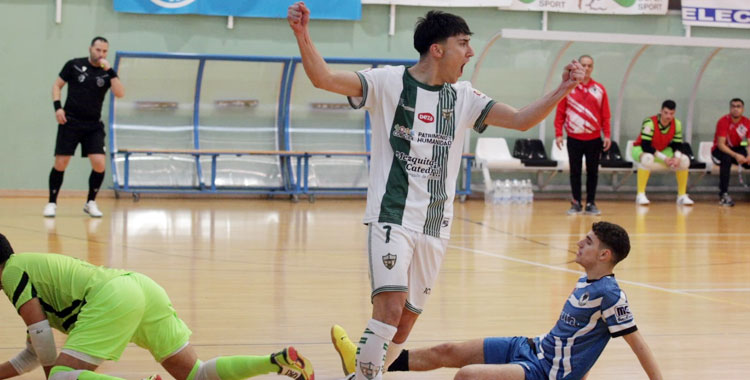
[(585, 56), (436, 27), (613, 237), (669, 104), (99, 38), (5, 249), (736, 100)]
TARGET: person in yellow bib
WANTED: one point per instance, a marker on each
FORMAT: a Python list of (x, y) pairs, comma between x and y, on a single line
[(102, 310), (659, 145)]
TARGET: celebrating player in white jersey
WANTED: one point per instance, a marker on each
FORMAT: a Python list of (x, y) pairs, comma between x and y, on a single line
[(420, 115)]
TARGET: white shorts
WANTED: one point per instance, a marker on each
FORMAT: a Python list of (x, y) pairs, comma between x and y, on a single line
[(404, 261)]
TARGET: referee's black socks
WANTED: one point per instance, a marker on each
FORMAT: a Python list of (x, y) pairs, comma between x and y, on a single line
[(55, 182), (401, 363), (95, 182)]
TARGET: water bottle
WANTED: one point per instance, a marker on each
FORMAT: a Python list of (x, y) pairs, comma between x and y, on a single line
[(530, 195), (515, 192), (507, 191), (489, 193), (497, 195)]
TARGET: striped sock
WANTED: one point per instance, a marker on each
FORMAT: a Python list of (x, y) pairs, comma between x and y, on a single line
[(372, 348)]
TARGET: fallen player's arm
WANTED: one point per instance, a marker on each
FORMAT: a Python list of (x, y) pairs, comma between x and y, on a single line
[(40, 333), (7, 371), (25, 361), (644, 354)]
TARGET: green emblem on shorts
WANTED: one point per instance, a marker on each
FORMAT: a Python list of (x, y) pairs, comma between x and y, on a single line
[(389, 261)]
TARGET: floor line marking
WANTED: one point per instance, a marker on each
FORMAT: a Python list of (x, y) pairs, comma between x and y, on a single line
[(711, 290), (620, 280)]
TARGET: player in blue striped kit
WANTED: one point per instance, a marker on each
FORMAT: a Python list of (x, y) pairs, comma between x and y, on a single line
[(596, 310)]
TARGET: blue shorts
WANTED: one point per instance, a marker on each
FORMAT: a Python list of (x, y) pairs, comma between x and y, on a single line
[(514, 350)]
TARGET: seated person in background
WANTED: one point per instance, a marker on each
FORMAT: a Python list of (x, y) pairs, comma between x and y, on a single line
[(659, 147), (730, 146)]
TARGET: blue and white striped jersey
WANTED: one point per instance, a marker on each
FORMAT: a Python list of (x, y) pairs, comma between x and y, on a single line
[(594, 312)]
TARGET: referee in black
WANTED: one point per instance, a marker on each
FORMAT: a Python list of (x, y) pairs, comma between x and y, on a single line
[(79, 121)]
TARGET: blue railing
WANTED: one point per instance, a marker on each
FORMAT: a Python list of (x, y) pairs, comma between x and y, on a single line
[(291, 183)]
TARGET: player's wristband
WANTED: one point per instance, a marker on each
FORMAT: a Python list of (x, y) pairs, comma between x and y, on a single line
[(57, 105), (661, 155), (112, 73)]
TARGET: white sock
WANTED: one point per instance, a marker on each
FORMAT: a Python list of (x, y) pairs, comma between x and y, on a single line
[(394, 349), (372, 348), (207, 371)]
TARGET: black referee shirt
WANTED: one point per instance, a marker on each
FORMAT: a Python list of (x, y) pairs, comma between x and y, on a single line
[(87, 86)]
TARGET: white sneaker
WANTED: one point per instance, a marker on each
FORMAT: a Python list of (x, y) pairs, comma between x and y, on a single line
[(641, 199), (50, 210), (91, 209), (684, 200)]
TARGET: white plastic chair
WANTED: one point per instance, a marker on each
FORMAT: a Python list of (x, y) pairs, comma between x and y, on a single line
[(704, 154), (493, 153)]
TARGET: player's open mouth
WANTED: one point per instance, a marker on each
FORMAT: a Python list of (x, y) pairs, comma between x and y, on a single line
[(462, 69)]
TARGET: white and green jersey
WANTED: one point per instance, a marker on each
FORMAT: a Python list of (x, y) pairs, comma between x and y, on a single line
[(417, 141)]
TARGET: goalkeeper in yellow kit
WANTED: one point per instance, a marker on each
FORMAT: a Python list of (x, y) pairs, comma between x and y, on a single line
[(102, 310)]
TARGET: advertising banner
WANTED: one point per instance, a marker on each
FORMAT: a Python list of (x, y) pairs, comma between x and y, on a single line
[(443, 3), (320, 9), (719, 13), (630, 7)]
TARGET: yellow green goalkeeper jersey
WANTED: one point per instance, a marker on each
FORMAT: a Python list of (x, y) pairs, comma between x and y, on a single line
[(61, 283)]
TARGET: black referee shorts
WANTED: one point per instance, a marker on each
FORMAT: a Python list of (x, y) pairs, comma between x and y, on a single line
[(89, 135)]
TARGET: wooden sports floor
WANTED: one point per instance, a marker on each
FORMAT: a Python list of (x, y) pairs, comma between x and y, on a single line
[(250, 276)]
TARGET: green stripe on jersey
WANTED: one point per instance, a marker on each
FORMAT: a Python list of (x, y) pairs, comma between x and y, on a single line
[(436, 184), (397, 187)]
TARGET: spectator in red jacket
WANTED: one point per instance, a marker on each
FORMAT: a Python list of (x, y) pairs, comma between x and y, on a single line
[(730, 146), (584, 114)]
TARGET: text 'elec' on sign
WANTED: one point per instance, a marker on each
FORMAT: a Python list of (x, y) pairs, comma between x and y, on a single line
[(716, 13)]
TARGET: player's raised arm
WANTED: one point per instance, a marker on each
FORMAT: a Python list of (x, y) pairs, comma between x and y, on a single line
[(644, 354), (341, 82), (503, 115)]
